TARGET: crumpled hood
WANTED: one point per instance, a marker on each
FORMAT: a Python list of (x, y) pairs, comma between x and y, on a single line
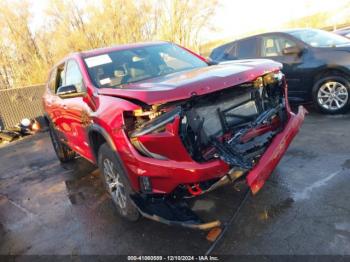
[(199, 81)]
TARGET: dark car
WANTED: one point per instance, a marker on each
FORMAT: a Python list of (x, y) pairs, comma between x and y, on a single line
[(343, 32), (316, 64), (164, 125)]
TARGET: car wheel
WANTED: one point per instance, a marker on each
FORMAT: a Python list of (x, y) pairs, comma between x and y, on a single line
[(116, 183), (331, 94), (63, 152)]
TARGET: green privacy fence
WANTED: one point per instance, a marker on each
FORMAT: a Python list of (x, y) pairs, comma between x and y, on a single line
[(19, 103)]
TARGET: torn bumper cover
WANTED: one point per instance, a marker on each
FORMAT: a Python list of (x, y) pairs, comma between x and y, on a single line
[(170, 212), (269, 160)]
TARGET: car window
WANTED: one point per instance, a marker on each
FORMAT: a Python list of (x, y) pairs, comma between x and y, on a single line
[(59, 77), (274, 45), (218, 52), (74, 76), (246, 48), (173, 62), (230, 52), (320, 38)]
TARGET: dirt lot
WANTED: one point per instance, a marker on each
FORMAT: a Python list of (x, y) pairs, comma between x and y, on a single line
[(49, 208)]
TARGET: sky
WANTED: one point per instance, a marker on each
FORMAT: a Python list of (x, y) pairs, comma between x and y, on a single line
[(237, 17)]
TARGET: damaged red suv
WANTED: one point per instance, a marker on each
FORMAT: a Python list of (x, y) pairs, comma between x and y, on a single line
[(164, 124)]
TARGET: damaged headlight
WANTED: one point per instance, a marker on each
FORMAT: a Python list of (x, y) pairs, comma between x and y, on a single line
[(156, 123), (154, 126), (268, 79), (273, 78)]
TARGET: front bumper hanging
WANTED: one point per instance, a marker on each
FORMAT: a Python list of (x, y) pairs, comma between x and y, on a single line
[(171, 212)]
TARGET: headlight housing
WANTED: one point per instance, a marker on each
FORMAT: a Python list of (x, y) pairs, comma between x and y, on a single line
[(156, 123), (159, 137)]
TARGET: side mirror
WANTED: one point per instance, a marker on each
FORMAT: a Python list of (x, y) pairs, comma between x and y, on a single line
[(292, 50), (67, 91)]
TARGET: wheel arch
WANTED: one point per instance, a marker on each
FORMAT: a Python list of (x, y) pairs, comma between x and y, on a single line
[(332, 70), (97, 136)]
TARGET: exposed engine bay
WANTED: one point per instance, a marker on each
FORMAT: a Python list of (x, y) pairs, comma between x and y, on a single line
[(235, 124)]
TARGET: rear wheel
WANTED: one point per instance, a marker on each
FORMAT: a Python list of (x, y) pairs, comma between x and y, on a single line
[(331, 94), (63, 152), (116, 183)]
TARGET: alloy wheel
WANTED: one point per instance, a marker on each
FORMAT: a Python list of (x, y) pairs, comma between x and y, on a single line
[(114, 183), (332, 95)]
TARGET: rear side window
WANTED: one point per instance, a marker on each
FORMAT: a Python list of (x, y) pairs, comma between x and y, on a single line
[(247, 48), (230, 52), (225, 52), (216, 54)]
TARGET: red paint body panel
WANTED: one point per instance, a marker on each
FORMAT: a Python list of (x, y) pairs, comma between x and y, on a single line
[(267, 163), (165, 175), (105, 107), (168, 144)]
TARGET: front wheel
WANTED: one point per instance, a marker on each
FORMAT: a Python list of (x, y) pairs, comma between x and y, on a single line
[(116, 183), (331, 94)]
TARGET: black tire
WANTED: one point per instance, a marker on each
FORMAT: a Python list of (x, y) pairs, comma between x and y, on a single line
[(63, 152), (117, 184), (338, 82)]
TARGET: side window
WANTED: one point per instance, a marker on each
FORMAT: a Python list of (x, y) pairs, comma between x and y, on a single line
[(230, 52), (274, 45), (246, 48), (73, 76), (59, 77)]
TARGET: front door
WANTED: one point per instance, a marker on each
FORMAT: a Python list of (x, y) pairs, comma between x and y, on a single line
[(75, 113), (271, 47)]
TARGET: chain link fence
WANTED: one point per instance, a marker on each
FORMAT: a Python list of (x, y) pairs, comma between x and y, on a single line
[(19, 103)]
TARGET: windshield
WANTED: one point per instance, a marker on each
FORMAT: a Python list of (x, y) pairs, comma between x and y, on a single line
[(319, 38), (121, 67)]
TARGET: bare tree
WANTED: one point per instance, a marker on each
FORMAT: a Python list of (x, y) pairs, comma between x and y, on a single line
[(26, 55)]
